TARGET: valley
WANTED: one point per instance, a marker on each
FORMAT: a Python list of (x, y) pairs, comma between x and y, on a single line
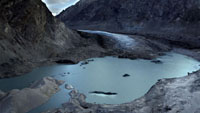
[(100, 56)]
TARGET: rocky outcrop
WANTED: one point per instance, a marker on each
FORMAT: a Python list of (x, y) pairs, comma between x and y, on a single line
[(173, 20), (69, 87), (21, 101), (176, 95), (2, 94)]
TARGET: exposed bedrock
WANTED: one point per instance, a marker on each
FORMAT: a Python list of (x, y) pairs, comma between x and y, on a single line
[(21, 101)]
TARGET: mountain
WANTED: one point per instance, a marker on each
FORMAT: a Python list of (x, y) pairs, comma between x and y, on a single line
[(30, 36), (130, 14), (177, 20), (29, 33)]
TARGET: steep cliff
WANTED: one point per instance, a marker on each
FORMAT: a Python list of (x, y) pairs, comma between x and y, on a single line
[(29, 33), (177, 20)]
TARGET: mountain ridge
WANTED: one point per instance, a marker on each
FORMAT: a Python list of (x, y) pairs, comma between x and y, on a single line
[(170, 18)]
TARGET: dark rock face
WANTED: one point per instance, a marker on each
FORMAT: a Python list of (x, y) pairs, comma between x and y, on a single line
[(175, 20), (29, 33), (137, 10)]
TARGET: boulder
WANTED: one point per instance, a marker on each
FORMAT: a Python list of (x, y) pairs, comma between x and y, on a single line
[(69, 87), (126, 75)]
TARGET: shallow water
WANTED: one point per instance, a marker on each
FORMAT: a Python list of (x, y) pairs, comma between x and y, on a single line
[(106, 74)]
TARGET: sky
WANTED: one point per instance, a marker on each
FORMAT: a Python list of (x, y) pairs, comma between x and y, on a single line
[(56, 6)]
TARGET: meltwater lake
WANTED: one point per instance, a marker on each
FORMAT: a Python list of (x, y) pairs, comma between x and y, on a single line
[(106, 74)]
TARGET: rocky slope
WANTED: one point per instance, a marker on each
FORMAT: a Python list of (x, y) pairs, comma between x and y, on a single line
[(29, 33), (177, 95), (173, 20), (21, 101)]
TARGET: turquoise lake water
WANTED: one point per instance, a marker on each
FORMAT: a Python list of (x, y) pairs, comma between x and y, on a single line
[(106, 74)]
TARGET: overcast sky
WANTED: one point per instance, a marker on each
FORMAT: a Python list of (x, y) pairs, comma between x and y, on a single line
[(56, 6)]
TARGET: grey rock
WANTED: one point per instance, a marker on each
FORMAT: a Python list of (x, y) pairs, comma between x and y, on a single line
[(69, 87), (73, 93), (2, 94), (21, 101)]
